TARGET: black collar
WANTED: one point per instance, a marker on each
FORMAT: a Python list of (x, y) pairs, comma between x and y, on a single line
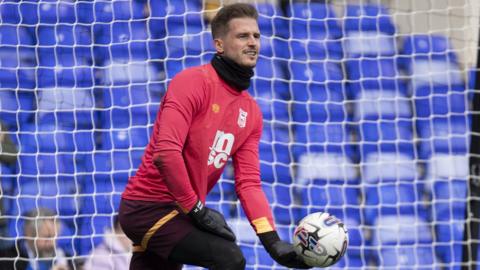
[(234, 74)]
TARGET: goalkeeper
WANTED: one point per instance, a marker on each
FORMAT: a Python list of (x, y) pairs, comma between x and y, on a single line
[(205, 117)]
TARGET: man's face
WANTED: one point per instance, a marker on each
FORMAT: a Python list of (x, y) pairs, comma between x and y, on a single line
[(43, 243), (241, 43)]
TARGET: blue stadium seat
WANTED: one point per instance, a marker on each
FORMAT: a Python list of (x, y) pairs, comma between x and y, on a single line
[(193, 44), (126, 55), (137, 137), (65, 106), (121, 40), (24, 12), (270, 90), (71, 45), (318, 110), (274, 47), (17, 57), (17, 108), (388, 161), (394, 194), (175, 66), (440, 100), (256, 256), (329, 137), (44, 12), (177, 12), (266, 66), (311, 81), (54, 193), (65, 80), (125, 107), (386, 131), (450, 166), (369, 17), (108, 165), (431, 61), (188, 43), (429, 46), (367, 70), (332, 194), (402, 237), (72, 64), (10, 12), (443, 134), (51, 12), (33, 163), (107, 12), (314, 49), (439, 94), (101, 191), (448, 214), (275, 154), (179, 19), (404, 242), (408, 257), (319, 102), (100, 202), (369, 31), (313, 20), (222, 195), (374, 103), (274, 106), (271, 21), (315, 32), (282, 199), (48, 138), (318, 72)]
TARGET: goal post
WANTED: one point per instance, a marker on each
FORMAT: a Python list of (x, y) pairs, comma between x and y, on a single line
[(369, 107)]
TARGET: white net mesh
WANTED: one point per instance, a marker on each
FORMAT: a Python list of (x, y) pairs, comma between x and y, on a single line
[(366, 116)]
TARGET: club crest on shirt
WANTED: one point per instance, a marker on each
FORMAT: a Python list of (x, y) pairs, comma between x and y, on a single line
[(242, 118), (215, 108)]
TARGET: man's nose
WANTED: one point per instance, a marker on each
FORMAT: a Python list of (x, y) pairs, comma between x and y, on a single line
[(252, 41)]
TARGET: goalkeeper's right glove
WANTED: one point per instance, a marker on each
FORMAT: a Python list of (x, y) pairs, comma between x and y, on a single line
[(211, 220), (281, 251)]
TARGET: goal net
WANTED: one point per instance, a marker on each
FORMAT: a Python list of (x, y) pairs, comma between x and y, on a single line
[(366, 116)]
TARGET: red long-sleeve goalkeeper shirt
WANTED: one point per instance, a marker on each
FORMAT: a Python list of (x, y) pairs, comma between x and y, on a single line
[(201, 123)]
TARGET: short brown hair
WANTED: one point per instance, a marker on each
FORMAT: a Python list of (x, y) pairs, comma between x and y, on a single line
[(228, 13)]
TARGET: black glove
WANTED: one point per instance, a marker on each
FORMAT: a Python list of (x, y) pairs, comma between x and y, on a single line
[(211, 220), (282, 252)]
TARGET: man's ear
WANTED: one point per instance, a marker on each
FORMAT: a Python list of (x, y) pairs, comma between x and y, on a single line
[(218, 45)]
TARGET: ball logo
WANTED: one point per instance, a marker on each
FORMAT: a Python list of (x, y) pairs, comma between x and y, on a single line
[(331, 220), (309, 241), (302, 235), (220, 149)]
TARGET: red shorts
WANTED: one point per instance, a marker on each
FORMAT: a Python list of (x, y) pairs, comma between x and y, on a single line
[(154, 228)]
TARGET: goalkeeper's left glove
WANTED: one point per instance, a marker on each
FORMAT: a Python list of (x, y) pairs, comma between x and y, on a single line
[(282, 252), (211, 220)]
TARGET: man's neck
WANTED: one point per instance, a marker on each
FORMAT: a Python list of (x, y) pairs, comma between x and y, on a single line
[(235, 75)]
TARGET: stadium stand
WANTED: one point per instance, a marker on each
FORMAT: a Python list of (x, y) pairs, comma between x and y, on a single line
[(353, 125), (440, 102)]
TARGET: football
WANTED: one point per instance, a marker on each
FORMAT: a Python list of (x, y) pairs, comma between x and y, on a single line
[(320, 239)]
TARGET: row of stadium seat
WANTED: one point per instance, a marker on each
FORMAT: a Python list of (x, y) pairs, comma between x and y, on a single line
[(391, 228), (87, 201)]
